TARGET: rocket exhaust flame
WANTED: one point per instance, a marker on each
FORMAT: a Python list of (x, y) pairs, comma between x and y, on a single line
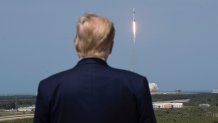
[(134, 26), (134, 30)]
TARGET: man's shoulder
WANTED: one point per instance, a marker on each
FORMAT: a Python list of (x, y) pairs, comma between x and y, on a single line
[(130, 79), (54, 79)]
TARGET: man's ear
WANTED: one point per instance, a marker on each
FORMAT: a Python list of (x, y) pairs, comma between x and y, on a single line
[(111, 47), (76, 46)]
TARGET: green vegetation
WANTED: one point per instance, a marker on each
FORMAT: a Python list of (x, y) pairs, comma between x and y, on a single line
[(187, 115), (191, 113), (12, 102)]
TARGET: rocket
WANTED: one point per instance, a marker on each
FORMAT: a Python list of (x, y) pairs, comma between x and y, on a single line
[(134, 25), (134, 39)]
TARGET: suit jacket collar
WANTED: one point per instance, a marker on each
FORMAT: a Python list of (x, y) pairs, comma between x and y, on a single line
[(92, 61)]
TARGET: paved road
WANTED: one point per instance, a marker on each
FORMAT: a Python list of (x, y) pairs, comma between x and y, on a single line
[(15, 117)]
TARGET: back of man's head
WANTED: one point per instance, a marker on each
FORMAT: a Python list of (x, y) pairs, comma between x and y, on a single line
[(95, 35)]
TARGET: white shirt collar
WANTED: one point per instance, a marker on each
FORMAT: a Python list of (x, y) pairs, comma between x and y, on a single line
[(92, 57)]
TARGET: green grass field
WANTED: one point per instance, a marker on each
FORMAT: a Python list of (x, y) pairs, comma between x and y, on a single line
[(184, 115), (18, 121), (187, 115)]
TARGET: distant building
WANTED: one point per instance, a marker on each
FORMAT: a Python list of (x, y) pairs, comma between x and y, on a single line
[(215, 90), (204, 105), (167, 105)]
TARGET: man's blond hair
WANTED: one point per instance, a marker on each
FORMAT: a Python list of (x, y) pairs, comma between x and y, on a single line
[(95, 35)]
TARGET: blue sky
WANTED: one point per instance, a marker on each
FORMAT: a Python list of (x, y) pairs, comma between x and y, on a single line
[(176, 41)]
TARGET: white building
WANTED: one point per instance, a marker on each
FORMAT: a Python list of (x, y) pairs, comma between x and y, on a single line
[(167, 105), (26, 109)]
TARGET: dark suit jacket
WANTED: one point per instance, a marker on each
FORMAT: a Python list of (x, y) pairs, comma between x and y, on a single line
[(93, 92)]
